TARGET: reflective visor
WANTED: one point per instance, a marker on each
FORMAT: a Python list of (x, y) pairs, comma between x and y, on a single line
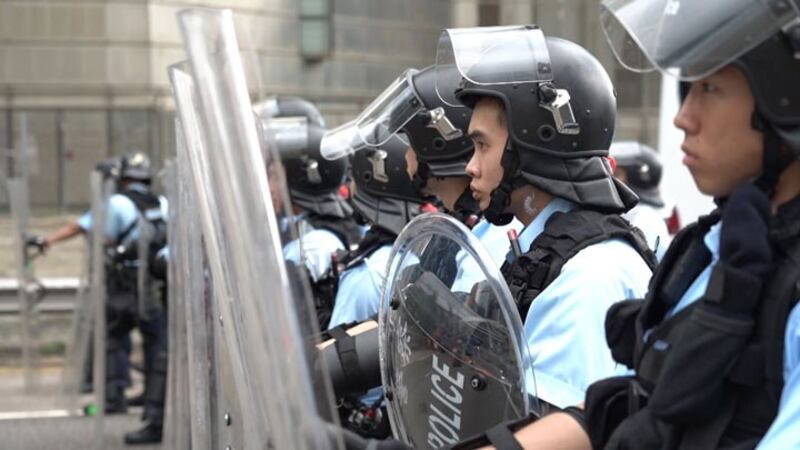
[(696, 37), (390, 111), (341, 141), (490, 56)]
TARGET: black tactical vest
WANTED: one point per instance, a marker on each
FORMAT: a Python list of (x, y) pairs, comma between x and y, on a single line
[(564, 235), (730, 390), (145, 202)]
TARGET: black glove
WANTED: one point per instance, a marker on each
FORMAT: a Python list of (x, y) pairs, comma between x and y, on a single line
[(38, 242), (744, 242), (638, 431)]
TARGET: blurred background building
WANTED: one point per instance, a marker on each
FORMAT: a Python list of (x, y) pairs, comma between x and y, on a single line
[(91, 76)]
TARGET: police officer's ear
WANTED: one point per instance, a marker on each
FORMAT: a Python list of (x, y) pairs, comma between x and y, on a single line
[(621, 174)]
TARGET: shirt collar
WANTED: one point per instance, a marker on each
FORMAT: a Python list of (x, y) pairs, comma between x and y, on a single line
[(535, 228), (711, 240)]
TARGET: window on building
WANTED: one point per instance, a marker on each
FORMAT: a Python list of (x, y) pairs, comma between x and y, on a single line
[(315, 29), (488, 13)]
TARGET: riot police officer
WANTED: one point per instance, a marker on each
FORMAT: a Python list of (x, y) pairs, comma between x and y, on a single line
[(323, 218), (440, 151), (543, 113), (714, 344), (383, 197), (133, 200), (639, 167)]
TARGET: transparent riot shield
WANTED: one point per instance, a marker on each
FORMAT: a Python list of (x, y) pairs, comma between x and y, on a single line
[(29, 392), (266, 339), (78, 357), (101, 191), (29, 289), (188, 276), (26, 294), (453, 358), (177, 418), (213, 398)]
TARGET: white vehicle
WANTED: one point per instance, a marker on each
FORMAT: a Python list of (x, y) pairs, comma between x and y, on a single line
[(684, 203)]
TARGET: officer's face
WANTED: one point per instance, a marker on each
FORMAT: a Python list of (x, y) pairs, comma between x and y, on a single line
[(721, 147), (276, 180), (446, 189), (411, 163), (489, 133)]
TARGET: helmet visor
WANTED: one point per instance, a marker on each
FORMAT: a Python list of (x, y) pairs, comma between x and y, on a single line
[(390, 111), (697, 38), (341, 141), (490, 56)]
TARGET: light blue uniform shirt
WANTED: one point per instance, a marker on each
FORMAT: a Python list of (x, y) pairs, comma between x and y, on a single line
[(121, 213), (317, 247), (783, 434), (495, 240), (565, 325), (359, 294), (649, 220), (359, 298)]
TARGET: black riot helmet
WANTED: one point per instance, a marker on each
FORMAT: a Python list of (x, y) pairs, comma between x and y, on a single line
[(643, 169), (135, 166), (384, 195), (313, 181), (438, 136), (109, 168), (409, 109), (691, 40), (438, 132), (560, 111)]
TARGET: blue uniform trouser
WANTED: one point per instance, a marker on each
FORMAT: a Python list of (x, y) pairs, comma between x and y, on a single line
[(122, 315)]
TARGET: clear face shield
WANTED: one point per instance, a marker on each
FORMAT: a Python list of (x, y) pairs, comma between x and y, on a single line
[(384, 118), (696, 38), (505, 55), (390, 111), (341, 141), (490, 56)]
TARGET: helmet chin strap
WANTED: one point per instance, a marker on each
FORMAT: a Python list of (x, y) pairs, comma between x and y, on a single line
[(466, 209), (420, 178), (775, 158), (501, 196)]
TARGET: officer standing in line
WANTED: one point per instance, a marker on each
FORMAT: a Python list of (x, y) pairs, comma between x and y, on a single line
[(323, 217), (639, 167), (440, 151), (383, 197), (134, 199), (715, 344), (537, 160)]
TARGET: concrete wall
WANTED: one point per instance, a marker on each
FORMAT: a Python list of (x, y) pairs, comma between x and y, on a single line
[(91, 75)]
